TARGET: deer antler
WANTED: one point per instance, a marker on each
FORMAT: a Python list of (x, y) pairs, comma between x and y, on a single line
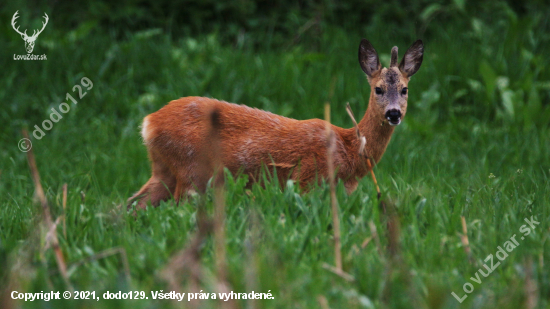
[(13, 24), (43, 26)]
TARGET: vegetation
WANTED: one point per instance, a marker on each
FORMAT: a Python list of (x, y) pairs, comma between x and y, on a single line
[(474, 144)]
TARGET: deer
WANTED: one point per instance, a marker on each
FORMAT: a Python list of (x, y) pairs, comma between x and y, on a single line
[(29, 40), (177, 136)]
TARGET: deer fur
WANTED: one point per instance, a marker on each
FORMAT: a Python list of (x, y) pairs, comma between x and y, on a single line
[(177, 140)]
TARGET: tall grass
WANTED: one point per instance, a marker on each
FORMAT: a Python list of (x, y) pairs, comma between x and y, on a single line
[(474, 143)]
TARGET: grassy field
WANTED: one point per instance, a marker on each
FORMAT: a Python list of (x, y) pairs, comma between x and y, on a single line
[(475, 144)]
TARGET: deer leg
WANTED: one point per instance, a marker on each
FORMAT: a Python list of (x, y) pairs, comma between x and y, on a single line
[(159, 187)]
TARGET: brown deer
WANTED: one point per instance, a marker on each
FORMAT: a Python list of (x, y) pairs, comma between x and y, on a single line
[(177, 140)]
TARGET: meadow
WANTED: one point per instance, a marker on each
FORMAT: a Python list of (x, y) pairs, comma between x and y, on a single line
[(467, 166)]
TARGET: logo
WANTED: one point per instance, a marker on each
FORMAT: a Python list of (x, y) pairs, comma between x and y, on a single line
[(29, 40)]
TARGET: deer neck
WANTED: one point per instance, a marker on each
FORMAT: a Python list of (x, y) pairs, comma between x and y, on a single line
[(376, 131)]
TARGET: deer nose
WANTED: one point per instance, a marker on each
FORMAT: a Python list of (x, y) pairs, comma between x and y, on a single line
[(393, 116)]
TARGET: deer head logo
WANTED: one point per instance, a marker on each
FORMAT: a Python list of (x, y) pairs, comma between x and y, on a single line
[(29, 40)]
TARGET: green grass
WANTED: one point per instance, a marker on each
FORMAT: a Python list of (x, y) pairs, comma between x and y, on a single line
[(475, 143)]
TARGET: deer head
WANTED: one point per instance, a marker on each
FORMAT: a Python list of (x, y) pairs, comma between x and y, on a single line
[(389, 85), (29, 40)]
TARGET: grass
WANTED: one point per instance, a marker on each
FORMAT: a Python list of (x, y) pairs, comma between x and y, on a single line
[(474, 144)]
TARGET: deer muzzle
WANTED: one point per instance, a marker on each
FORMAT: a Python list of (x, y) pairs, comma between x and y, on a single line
[(393, 116)]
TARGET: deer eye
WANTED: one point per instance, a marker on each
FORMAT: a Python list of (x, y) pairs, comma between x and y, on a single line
[(404, 91), (378, 90)]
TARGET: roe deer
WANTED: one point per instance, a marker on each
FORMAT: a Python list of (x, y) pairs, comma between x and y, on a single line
[(177, 140)]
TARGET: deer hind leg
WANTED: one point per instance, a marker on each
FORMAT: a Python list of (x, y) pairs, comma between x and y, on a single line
[(182, 190), (188, 183), (159, 188)]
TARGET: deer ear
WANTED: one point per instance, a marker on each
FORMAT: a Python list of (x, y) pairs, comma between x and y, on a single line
[(412, 59), (368, 58)]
